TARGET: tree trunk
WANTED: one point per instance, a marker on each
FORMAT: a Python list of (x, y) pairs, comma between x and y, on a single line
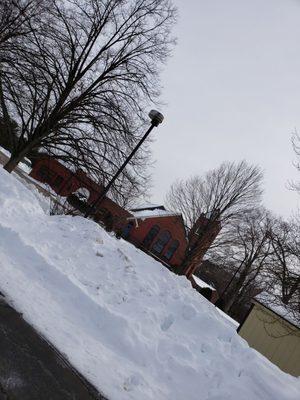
[(14, 160), (12, 164), (229, 302)]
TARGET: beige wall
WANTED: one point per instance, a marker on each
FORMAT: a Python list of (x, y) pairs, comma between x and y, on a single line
[(273, 337)]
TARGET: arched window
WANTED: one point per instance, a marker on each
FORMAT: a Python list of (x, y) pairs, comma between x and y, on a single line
[(161, 242), (150, 235), (171, 249)]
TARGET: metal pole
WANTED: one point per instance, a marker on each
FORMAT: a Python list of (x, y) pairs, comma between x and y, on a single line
[(230, 282), (156, 119)]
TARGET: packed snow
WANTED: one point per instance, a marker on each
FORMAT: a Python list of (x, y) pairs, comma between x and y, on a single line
[(133, 328)]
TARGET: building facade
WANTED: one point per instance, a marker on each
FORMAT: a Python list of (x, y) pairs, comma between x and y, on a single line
[(273, 335), (158, 232)]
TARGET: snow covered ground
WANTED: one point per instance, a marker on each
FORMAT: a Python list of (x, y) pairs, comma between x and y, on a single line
[(135, 330)]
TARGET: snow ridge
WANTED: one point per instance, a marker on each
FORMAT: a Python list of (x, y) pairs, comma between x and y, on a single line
[(135, 330)]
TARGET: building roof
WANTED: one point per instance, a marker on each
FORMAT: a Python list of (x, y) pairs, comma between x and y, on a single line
[(278, 308), (201, 283), (149, 210), (155, 213), (148, 206)]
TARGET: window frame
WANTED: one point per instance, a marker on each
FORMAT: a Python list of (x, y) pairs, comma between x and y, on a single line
[(149, 238), (161, 242), (175, 244)]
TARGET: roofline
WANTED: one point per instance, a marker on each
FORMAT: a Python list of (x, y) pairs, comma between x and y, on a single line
[(150, 208), (155, 216), (160, 216), (254, 301)]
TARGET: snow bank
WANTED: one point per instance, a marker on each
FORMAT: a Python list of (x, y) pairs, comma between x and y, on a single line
[(135, 330)]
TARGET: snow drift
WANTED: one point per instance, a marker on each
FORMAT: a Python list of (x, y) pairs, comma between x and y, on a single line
[(134, 329)]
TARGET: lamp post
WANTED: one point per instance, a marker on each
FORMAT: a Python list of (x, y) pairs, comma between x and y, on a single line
[(156, 119)]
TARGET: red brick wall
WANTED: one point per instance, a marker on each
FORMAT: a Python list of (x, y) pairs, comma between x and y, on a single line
[(200, 243), (174, 224), (57, 171)]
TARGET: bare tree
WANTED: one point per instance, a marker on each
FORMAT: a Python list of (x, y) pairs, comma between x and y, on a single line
[(246, 256), (284, 273), (231, 189), (222, 195), (80, 89), (16, 18), (219, 276)]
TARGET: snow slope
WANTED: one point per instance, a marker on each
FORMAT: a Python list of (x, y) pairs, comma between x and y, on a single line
[(135, 330)]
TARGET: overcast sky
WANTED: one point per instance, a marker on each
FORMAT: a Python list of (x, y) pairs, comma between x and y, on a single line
[(232, 90)]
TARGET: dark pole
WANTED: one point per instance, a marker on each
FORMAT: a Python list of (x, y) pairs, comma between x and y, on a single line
[(156, 119), (230, 282)]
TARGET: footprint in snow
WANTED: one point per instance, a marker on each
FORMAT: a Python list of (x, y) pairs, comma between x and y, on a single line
[(123, 255), (129, 269), (205, 348), (188, 312), (132, 381), (167, 322)]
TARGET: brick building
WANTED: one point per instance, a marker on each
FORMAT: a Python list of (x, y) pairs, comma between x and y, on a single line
[(159, 232), (155, 230)]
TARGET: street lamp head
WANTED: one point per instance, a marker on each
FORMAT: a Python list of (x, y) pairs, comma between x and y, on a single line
[(156, 117)]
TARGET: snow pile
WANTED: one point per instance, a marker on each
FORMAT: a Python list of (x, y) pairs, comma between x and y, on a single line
[(135, 330)]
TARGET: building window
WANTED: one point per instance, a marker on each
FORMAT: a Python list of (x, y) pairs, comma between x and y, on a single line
[(58, 181), (150, 235), (171, 249), (161, 242), (126, 230), (46, 174)]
